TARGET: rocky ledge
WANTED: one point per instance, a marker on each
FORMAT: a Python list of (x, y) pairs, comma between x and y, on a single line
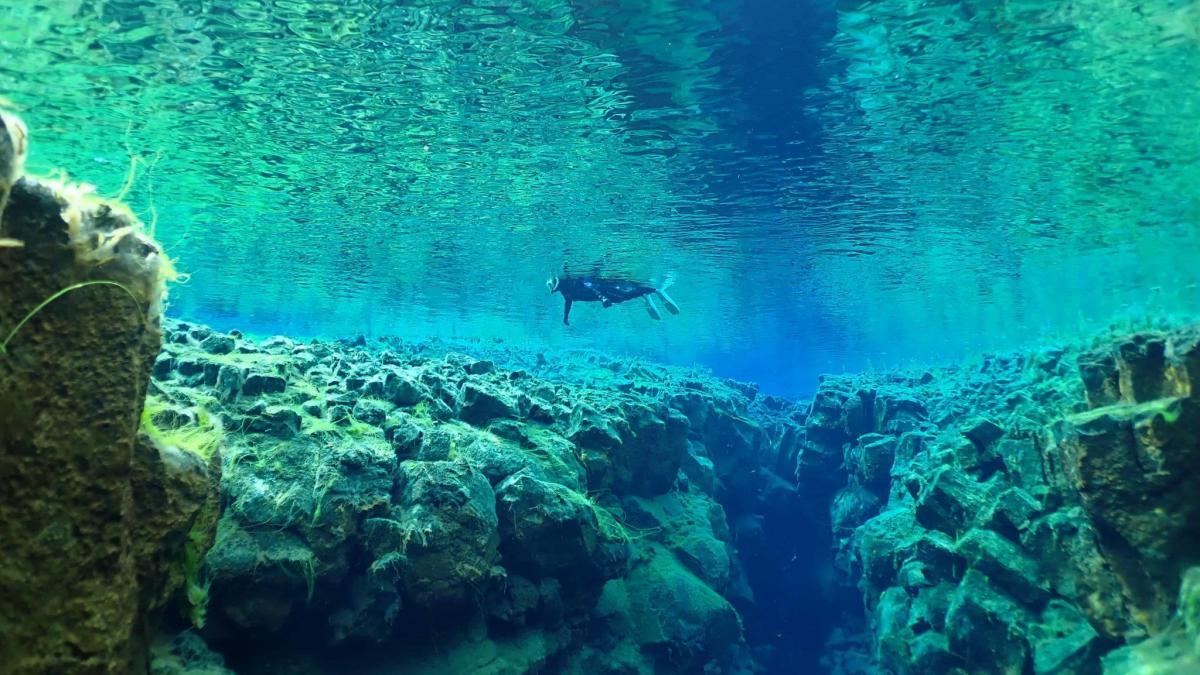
[(1028, 514), (417, 511), (393, 507)]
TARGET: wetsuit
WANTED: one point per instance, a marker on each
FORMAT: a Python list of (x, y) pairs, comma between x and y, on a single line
[(608, 292)]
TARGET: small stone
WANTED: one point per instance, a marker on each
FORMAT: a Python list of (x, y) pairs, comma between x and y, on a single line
[(1141, 367), (263, 383), (218, 344), (278, 421), (340, 414), (871, 459), (983, 432), (951, 501), (1022, 461), (513, 431), (163, 366), (479, 404), (1101, 381), (481, 368), (1005, 564), (1012, 512), (371, 411), (1064, 641), (407, 392), (188, 367), (987, 626), (229, 383), (405, 436)]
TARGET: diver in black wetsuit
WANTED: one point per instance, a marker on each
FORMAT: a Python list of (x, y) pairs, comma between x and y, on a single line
[(608, 292)]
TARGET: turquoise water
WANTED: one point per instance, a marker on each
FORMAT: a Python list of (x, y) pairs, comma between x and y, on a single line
[(830, 186)]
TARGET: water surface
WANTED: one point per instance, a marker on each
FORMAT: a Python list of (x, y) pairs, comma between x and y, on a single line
[(830, 186)]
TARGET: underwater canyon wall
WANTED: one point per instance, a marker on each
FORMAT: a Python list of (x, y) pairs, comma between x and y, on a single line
[(398, 508), (401, 507), (1025, 515), (409, 507), (93, 515)]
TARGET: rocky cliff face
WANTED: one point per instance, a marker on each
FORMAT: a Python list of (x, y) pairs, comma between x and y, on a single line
[(82, 495), (399, 508), (1025, 515), (418, 511)]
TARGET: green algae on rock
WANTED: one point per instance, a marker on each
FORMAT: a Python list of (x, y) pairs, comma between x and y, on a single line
[(1065, 524), (94, 517), (369, 518), (622, 527)]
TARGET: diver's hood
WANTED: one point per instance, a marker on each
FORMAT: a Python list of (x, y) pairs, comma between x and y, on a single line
[(552, 283)]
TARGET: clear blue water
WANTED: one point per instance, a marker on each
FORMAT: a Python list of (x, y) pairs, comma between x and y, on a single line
[(831, 186)]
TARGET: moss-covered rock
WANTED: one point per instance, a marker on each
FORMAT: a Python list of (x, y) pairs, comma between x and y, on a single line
[(81, 287), (439, 541), (549, 530), (674, 616)]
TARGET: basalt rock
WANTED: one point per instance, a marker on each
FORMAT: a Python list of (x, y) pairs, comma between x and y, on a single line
[(1058, 505), (93, 519)]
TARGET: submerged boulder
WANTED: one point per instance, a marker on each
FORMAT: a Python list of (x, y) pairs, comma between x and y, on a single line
[(549, 530), (439, 541), (670, 614), (629, 446)]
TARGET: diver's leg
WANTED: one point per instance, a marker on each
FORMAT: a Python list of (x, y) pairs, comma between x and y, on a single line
[(667, 302), (566, 312), (651, 309)]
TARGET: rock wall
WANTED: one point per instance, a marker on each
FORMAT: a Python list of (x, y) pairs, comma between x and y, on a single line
[(401, 508), (90, 514), (1025, 515)]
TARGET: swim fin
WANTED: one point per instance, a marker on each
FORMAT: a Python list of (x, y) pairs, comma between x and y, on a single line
[(651, 309), (667, 302)]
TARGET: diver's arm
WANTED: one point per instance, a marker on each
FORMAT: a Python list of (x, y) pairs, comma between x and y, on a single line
[(566, 311)]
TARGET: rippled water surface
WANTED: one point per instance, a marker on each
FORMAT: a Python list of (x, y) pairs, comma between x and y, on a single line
[(829, 185)]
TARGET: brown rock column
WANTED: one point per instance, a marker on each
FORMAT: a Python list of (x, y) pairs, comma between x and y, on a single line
[(73, 380)]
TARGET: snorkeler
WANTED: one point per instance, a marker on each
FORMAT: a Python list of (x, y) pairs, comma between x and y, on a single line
[(607, 292)]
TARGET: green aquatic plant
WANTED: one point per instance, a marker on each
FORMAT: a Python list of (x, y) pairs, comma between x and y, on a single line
[(195, 582), (201, 438), (313, 426), (421, 410), (73, 287), (306, 569)]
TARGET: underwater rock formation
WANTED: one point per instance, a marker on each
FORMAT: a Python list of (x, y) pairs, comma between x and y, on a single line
[(406, 508), (414, 509), (434, 512), (94, 518), (1027, 515)]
